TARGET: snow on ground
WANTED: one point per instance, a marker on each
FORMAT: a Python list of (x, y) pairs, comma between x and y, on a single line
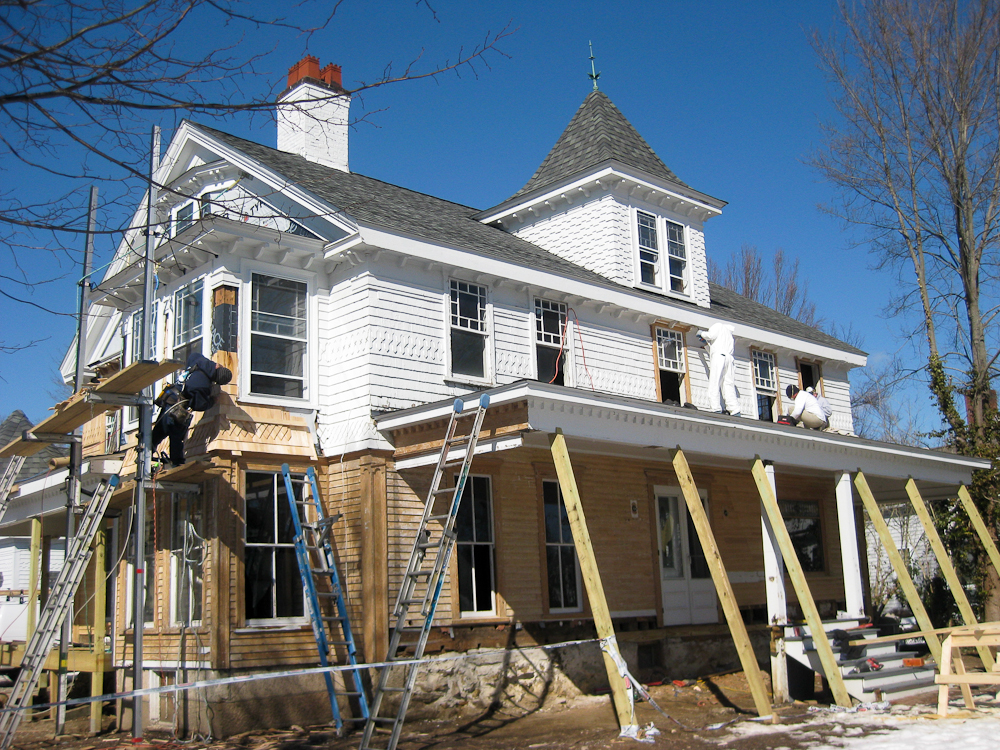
[(902, 728)]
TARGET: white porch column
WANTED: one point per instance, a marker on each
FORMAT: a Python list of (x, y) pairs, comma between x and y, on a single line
[(777, 608), (853, 585)]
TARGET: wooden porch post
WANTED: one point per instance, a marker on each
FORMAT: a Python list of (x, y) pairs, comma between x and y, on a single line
[(777, 603), (902, 574), (591, 577), (980, 526), (851, 560), (722, 585), (947, 569), (798, 578)]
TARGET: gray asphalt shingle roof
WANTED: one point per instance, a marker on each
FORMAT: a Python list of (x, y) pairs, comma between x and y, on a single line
[(597, 133), (36, 465), (388, 206)]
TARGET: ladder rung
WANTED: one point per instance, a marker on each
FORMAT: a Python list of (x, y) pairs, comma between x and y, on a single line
[(444, 517), (394, 690), (442, 490), (416, 573)]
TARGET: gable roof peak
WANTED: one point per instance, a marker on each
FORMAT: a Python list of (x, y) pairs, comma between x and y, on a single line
[(598, 132)]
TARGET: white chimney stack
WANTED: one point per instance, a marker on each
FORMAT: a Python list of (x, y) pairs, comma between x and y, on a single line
[(313, 114)]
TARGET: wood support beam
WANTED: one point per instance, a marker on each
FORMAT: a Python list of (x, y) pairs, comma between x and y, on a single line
[(899, 568), (947, 569), (591, 577), (777, 602), (100, 629), (980, 527), (821, 641), (730, 608), (34, 575)]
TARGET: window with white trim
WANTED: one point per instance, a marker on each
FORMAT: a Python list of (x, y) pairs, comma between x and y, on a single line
[(550, 329), (562, 568), (649, 252), (474, 547), (667, 272), (670, 364), (272, 585), (278, 336), (765, 382), (134, 348), (468, 329), (188, 308), (183, 217)]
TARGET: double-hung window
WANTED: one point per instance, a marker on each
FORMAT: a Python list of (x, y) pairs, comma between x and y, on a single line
[(802, 519), (474, 547), (188, 307), (468, 329), (550, 328), (183, 217), (272, 586), (649, 252), (562, 568), (667, 273), (670, 364), (278, 336), (765, 382)]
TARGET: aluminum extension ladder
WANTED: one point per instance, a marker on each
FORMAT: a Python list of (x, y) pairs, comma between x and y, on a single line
[(7, 482), (425, 575), (50, 621), (321, 580)]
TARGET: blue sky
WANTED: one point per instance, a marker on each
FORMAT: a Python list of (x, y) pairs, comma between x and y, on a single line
[(727, 93)]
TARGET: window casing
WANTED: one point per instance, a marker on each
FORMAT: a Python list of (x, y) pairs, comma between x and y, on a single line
[(272, 585), (188, 319), (135, 351), (802, 519), (278, 336), (468, 329), (765, 382), (809, 375), (670, 364), (668, 271), (474, 548), (550, 352), (187, 557), (562, 568)]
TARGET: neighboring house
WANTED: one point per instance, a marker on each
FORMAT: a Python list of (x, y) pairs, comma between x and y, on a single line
[(914, 549), (353, 312)]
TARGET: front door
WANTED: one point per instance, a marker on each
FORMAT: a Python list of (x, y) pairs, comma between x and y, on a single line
[(688, 591)]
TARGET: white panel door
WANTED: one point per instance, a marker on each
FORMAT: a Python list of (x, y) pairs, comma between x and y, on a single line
[(688, 591)]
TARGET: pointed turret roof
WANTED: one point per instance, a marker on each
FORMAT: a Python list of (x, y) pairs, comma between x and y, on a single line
[(597, 133)]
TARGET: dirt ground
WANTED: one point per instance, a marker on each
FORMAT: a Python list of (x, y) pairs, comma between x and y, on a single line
[(585, 723)]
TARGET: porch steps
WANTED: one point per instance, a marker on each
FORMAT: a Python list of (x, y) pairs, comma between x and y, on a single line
[(892, 682)]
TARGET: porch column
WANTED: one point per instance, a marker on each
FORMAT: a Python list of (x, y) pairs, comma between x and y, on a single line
[(853, 584), (777, 608)]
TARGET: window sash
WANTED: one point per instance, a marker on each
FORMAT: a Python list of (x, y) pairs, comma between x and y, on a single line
[(183, 217), (475, 547), (550, 322), (764, 371), (468, 306), (187, 561), (278, 336), (188, 306), (562, 567), (670, 350)]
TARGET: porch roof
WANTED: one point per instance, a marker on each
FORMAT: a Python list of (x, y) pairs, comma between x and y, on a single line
[(617, 425)]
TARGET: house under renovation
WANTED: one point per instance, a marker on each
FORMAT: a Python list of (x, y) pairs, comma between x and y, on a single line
[(352, 313)]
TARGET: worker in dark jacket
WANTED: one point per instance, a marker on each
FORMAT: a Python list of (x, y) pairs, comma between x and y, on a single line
[(177, 402)]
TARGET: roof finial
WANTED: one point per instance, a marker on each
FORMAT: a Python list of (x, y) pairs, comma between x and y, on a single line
[(593, 75)]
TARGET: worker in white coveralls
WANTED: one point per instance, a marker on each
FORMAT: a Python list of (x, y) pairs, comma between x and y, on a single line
[(721, 368), (806, 409)]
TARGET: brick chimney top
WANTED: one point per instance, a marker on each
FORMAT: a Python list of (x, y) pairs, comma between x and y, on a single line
[(308, 67)]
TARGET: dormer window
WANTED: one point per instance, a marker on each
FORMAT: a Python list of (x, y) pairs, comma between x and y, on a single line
[(666, 273)]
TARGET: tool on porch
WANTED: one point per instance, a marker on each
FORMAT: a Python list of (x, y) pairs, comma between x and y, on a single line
[(78, 552), (321, 580), (7, 482), (425, 573)]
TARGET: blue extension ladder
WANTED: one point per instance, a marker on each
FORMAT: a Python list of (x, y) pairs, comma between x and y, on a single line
[(321, 580)]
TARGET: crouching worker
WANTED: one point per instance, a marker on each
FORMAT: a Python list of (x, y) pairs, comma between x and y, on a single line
[(192, 392), (806, 409)]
